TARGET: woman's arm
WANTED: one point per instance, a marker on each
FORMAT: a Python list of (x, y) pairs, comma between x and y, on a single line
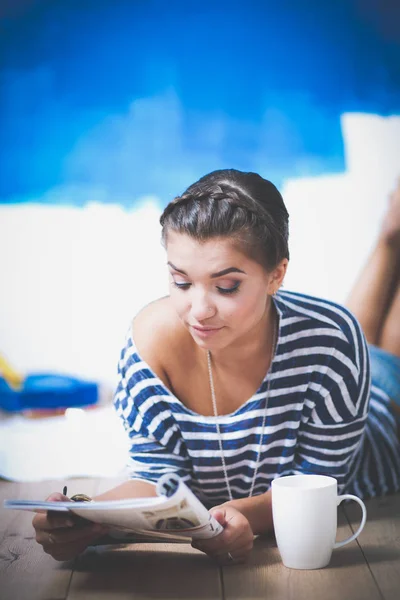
[(134, 488)]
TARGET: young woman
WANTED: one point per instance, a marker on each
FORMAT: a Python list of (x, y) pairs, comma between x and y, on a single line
[(231, 381)]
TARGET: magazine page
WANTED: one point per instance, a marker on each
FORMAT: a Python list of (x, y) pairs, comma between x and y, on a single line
[(175, 510)]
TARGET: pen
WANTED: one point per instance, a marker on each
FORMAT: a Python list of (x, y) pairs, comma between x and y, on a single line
[(65, 490)]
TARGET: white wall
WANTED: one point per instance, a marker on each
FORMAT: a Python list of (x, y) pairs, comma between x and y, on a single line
[(73, 278)]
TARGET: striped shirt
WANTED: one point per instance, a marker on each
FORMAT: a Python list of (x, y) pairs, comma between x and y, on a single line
[(322, 415)]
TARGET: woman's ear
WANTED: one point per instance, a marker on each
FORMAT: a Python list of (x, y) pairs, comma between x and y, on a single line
[(277, 276)]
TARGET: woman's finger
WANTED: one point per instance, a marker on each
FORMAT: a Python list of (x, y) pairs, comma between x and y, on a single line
[(218, 544), (235, 555), (79, 533), (68, 535), (62, 547), (52, 520)]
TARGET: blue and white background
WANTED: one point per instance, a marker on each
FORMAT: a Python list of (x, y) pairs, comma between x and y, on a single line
[(108, 109)]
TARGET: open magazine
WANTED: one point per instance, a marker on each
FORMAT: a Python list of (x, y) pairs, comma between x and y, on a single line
[(174, 513)]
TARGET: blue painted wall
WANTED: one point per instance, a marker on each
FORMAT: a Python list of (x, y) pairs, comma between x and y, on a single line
[(132, 97)]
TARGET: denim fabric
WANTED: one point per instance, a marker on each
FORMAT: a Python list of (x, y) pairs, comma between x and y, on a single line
[(385, 372)]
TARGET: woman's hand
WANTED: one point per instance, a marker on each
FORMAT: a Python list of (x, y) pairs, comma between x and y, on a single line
[(235, 543), (61, 536)]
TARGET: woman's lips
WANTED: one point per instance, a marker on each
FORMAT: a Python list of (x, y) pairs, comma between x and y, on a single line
[(205, 331)]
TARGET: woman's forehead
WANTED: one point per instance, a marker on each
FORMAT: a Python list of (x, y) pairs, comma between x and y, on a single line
[(211, 255), (182, 244)]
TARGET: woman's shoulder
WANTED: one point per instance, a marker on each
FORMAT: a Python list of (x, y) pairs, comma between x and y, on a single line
[(158, 334), (330, 323), (317, 309)]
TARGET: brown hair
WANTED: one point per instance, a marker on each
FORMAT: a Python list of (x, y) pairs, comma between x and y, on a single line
[(231, 203)]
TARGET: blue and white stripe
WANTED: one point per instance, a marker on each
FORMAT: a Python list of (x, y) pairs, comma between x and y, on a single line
[(323, 416)]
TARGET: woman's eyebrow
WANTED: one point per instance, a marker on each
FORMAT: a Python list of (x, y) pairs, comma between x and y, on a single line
[(226, 272), (213, 275), (176, 268)]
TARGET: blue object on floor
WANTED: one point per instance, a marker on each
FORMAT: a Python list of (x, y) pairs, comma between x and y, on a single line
[(48, 391)]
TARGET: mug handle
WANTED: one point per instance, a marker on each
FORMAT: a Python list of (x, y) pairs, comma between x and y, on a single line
[(363, 519)]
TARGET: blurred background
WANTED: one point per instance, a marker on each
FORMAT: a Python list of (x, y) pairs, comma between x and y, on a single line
[(110, 108)]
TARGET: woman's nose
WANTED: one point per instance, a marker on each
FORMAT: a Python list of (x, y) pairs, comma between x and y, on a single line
[(202, 308)]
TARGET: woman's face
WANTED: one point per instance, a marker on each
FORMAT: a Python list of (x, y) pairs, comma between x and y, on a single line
[(220, 294)]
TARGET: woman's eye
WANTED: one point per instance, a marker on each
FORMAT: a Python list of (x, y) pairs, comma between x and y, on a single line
[(181, 285), (230, 290), (184, 285)]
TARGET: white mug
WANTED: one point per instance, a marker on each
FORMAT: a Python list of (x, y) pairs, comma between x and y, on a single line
[(304, 510)]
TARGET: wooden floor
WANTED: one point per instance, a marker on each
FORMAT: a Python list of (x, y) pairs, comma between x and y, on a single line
[(368, 569)]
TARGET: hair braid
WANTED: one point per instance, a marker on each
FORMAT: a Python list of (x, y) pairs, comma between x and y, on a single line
[(230, 203)]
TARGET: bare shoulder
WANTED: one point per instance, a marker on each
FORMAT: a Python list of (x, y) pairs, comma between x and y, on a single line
[(157, 332)]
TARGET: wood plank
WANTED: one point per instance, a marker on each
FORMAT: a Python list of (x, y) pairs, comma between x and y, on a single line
[(369, 570), (8, 489), (144, 571), (12, 520), (26, 572), (347, 577), (380, 541)]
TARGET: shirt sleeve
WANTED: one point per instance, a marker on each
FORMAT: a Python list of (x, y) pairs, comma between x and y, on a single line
[(331, 434), (141, 401)]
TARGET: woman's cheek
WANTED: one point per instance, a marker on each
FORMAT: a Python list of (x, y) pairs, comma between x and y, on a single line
[(179, 303), (234, 308)]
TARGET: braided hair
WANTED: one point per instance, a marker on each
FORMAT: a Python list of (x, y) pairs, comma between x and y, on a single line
[(235, 204)]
